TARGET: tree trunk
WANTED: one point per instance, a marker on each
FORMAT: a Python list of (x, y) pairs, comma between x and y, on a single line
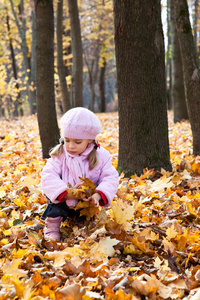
[(102, 87), (143, 128), (178, 93), (77, 68), (92, 74), (46, 112), (103, 65), (2, 107), (190, 69), (92, 92), (196, 17), (33, 66), (168, 60), (60, 64)]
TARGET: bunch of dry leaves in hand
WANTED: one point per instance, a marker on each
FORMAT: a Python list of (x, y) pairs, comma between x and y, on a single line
[(145, 246)]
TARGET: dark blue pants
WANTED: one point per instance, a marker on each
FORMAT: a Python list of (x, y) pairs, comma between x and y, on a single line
[(61, 210)]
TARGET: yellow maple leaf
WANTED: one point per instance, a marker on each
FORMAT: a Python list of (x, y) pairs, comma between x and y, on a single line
[(87, 187), (19, 287), (141, 246), (171, 232), (19, 253), (123, 213), (19, 202), (191, 209), (157, 262)]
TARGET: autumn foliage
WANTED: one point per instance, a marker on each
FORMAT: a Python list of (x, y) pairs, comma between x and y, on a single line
[(145, 246)]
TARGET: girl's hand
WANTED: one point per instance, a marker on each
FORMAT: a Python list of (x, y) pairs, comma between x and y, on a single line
[(95, 199)]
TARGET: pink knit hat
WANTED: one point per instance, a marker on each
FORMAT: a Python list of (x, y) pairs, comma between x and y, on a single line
[(80, 123)]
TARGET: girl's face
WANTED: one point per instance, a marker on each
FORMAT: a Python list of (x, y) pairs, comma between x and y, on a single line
[(76, 146)]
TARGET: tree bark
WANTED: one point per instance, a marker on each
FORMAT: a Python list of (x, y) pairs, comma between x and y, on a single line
[(143, 128), (196, 17), (60, 65), (33, 66), (46, 112), (77, 68), (177, 90), (190, 69), (168, 60)]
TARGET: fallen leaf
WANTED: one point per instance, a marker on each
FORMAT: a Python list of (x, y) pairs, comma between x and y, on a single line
[(107, 244)]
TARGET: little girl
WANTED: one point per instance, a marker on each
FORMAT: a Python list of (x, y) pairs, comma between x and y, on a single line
[(78, 155)]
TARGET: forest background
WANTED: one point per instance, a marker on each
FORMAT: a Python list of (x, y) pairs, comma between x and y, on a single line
[(97, 29), (18, 55), (146, 246)]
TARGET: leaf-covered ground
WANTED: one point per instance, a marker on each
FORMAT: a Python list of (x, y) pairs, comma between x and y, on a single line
[(146, 246)]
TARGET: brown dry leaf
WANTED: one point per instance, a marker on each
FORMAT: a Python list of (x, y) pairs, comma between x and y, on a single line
[(10, 268), (59, 257), (145, 284), (87, 209), (161, 184), (71, 292)]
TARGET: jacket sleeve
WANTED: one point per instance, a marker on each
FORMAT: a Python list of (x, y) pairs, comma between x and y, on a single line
[(51, 182), (109, 178)]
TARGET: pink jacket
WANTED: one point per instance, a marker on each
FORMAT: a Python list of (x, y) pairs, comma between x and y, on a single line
[(59, 171)]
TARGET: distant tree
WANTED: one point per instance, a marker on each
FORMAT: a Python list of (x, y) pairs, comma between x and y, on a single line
[(2, 107), (26, 57), (191, 72), (60, 64), (103, 61), (17, 102), (177, 86), (77, 68), (102, 86), (46, 112), (93, 67), (143, 128), (98, 48)]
